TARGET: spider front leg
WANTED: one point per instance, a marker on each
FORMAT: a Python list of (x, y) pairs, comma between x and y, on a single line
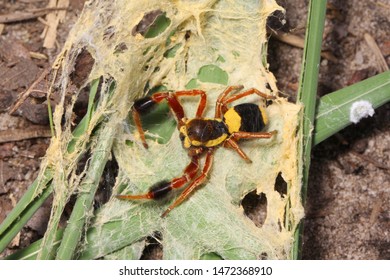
[(163, 188), (202, 102), (146, 104)]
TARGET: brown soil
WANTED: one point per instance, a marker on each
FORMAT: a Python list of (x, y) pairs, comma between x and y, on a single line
[(347, 211)]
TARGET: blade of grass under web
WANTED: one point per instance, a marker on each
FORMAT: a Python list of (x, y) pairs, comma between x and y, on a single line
[(83, 125), (87, 189), (307, 93), (19, 216), (24, 210), (31, 252), (29, 204), (50, 235), (333, 112)]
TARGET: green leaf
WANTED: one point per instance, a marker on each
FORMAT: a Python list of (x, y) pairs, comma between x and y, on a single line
[(213, 74), (334, 109), (84, 201), (194, 228), (37, 193), (31, 252), (82, 127), (307, 94), (159, 25)]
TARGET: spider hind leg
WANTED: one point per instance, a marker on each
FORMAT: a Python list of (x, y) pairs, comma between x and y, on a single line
[(161, 189)]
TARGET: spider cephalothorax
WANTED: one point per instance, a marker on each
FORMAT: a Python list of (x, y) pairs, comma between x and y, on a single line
[(201, 135)]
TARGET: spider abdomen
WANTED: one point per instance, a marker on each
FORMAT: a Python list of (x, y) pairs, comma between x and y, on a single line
[(245, 117)]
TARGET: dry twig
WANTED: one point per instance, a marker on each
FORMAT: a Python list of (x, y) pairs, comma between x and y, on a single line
[(372, 161), (299, 42), (12, 135), (26, 94), (21, 16), (50, 32), (382, 64)]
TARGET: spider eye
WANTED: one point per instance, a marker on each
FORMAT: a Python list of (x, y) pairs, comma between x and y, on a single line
[(182, 137), (191, 131)]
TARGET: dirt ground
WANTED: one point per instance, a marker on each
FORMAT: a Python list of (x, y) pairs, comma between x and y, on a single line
[(348, 205)]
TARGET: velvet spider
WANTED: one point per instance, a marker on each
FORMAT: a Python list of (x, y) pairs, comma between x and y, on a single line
[(201, 136)]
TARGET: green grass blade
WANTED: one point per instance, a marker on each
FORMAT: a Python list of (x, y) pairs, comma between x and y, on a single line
[(310, 67), (23, 203), (24, 210), (31, 252), (27, 205), (50, 235), (308, 91), (84, 123), (88, 189), (333, 112)]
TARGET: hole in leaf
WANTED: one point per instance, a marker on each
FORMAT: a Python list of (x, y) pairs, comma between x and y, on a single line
[(280, 185), (82, 68), (221, 59), (153, 250), (280, 225), (210, 256), (106, 183), (277, 21), (152, 24), (188, 35), (236, 54), (120, 48), (109, 32), (264, 256), (193, 83), (255, 207)]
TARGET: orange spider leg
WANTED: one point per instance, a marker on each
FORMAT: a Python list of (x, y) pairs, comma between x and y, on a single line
[(144, 105), (246, 93), (202, 102), (223, 106), (234, 137), (250, 135), (162, 188), (198, 181), (232, 144), (220, 101), (138, 124)]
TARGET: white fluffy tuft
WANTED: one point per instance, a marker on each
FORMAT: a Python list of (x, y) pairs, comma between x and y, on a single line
[(359, 110)]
